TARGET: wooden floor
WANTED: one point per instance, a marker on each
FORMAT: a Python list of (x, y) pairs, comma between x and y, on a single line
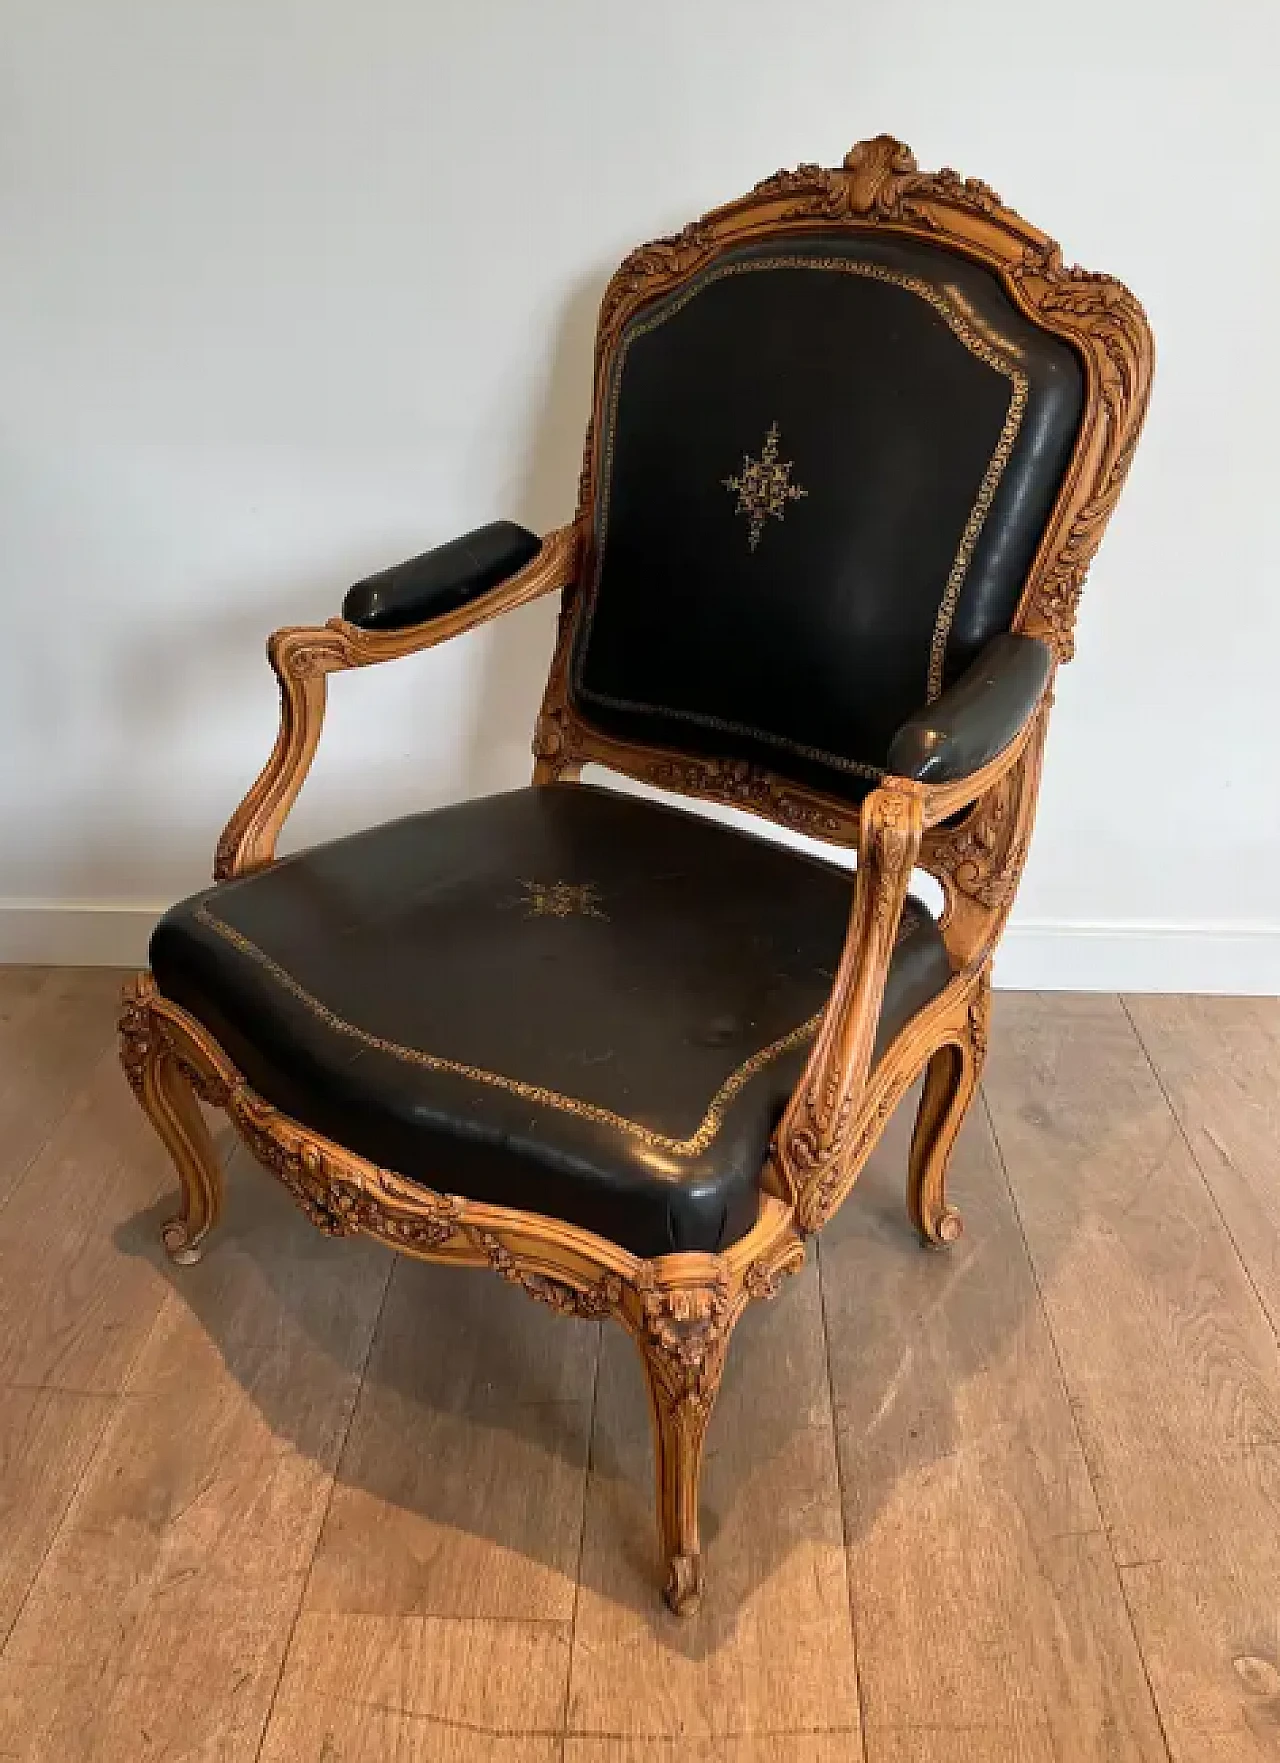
[(305, 1503)]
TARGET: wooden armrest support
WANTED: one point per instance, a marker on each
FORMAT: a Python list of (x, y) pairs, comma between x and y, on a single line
[(303, 655), (813, 1138)]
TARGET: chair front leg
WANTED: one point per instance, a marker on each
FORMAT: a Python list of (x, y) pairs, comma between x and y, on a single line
[(687, 1314), (951, 1081), (169, 1102)]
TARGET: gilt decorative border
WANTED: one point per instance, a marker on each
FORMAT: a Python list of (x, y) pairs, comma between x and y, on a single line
[(879, 186), (960, 328)]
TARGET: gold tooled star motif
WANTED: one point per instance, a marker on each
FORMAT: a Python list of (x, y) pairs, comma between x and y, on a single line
[(562, 900), (764, 487)]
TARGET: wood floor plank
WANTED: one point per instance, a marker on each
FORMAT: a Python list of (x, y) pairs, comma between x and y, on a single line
[(158, 1623), (47, 1438), (461, 1486), (774, 1747), (438, 1612), (80, 1269), (1172, 1367), (988, 1611), (771, 1650), (1219, 1062), (55, 1025), (420, 1689)]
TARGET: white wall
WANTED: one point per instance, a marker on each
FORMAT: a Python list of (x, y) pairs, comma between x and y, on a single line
[(295, 288)]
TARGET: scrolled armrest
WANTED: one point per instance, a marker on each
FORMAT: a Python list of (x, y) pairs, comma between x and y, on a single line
[(976, 718), (303, 656), (441, 580)]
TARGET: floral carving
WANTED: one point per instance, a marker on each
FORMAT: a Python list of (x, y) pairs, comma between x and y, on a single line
[(763, 1279), (747, 786), (336, 1203), (684, 1331), (827, 1176), (137, 1036), (660, 260), (589, 1302), (979, 1017), (983, 857)]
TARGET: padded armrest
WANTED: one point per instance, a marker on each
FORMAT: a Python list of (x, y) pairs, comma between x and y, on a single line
[(440, 580), (975, 719)]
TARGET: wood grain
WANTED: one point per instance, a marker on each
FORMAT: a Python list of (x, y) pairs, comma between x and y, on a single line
[(80, 1276), (988, 1609), (1053, 1509), (1172, 1368), (420, 1689), (159, 1621), (772, 1505), (462, 1482), (55, 1025), (1217, 1060)]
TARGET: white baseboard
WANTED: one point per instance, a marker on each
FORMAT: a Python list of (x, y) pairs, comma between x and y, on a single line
[(1064, 956), (1045, 955)]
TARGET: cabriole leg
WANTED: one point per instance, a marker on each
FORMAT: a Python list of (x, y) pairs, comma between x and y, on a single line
[(682, 1345), (170, 1104), (951, 1079)]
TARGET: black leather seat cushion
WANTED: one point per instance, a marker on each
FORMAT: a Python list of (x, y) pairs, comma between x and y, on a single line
[(823, 469), (576, 1002)]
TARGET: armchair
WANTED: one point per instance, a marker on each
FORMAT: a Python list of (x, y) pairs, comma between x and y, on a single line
[(854, 441)]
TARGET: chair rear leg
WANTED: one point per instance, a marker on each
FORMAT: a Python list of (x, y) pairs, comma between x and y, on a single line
[(951, 1079), (170, 1104)]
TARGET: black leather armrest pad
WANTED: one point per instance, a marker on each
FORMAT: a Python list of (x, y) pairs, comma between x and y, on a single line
[(440, 580), (974, 720)]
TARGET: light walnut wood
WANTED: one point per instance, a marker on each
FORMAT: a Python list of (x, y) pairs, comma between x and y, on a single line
[(302, 657), (972, 834)]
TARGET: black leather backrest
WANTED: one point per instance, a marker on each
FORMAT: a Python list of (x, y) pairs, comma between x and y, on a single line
[(824, 468)]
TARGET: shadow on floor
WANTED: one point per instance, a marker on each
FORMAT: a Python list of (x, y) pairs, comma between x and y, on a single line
[(479, 1410)]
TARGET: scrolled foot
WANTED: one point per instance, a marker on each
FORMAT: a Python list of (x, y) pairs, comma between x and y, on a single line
[(943, 1231), (683, 1591), (179, 1245)]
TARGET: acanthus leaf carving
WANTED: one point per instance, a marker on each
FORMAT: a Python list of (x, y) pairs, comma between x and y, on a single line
[(649, 265), (684, 1330)]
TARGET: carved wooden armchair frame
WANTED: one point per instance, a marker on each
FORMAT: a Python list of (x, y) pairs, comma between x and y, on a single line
[(971, 832)]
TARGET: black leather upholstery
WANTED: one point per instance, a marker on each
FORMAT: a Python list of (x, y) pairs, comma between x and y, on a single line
[(926, 425), (976, 717), (563, 999), (440, 580)]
